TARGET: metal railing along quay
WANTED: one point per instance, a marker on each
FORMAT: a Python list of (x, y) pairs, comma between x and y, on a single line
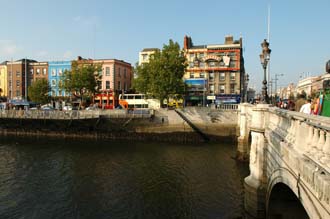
[(228, 107), (72, 114)]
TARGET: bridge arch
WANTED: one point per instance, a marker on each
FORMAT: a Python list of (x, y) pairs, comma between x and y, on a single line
[(288, 197)]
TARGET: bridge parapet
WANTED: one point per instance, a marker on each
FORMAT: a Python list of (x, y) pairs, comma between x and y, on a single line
[(291, 148), (303, 143)]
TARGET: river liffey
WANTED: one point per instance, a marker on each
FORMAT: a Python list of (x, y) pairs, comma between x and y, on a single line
[(43, 179)]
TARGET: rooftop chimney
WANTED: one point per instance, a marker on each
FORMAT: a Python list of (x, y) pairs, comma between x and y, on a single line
[(229, 39)]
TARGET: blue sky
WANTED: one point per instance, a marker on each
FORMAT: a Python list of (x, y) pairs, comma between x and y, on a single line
[(62, 30)]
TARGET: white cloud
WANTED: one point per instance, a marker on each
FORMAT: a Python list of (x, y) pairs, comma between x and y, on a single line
[(91, 21), (67, 54), (77, 19), (42, 53), (9, 48)]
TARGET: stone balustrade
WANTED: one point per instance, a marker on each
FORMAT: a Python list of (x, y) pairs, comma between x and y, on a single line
[(292, 148)]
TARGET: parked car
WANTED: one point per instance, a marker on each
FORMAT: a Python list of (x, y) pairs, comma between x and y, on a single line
[(92, 108), (67, 107), (47, 108)]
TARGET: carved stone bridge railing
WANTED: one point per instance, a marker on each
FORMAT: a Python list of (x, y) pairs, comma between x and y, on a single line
[(287, 147)]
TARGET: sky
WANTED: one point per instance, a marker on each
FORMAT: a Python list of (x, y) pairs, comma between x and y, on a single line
[(47, 30)]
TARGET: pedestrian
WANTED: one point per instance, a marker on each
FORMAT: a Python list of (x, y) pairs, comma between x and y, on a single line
[(306, 108)]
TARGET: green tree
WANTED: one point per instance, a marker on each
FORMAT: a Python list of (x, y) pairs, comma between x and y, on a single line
[(163, 75), (82, 79), (39, 91)]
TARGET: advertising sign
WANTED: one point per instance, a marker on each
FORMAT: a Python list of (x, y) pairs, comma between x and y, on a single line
[(196, 84)]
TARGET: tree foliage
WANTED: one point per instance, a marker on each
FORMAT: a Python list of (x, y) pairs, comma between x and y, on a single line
[(81, 79), (162, 76), (39, 91)]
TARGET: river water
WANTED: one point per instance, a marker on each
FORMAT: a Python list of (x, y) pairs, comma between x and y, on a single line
[(44, 178)]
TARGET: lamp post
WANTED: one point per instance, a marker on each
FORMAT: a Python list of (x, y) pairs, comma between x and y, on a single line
[(246, 83), (264, 59)]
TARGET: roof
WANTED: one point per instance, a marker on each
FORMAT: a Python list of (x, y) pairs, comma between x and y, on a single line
[(4, 63), (27, 60), (150, 49)]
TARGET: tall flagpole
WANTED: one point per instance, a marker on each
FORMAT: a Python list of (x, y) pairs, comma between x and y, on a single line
[(268, 39)]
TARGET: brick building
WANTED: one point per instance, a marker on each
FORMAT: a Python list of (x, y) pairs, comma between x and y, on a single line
[(116, 75), (215, 73), (18, 78)]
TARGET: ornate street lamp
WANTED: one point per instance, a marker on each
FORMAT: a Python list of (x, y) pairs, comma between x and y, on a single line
[(246, 83), (264, 59)]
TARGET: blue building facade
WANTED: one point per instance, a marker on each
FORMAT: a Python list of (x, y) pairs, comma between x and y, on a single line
[(55, 72)]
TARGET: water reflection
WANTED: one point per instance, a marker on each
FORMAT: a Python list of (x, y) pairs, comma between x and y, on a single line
[(57, 179)]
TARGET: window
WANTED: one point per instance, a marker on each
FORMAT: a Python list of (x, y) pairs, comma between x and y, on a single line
[(202, 64), (232, 88), (118, 72), (107, 85), (222, 89), (201, 55), (119, 87), (99, 85), (18, 74), (38, 71), (211, 76), (202, 75), (212, 64), (18, 83), (44, 71), (222, 76), (192, 75), (107, 71), (144, 57), (124, 72), (191, 64), (60, 71), (211, 89), (53, 82), (18, 93), (9, 83), (53, 72), (191, 55), (232, 76), (31, 71), (9, 74), (53, 93)]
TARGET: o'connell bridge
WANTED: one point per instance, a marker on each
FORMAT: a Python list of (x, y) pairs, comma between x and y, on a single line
[(289, 162)]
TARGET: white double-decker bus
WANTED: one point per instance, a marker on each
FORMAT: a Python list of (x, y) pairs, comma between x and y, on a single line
[(137, 101)]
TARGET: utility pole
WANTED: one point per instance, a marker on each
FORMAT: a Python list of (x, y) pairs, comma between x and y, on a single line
[(25, 80), (11, 79)]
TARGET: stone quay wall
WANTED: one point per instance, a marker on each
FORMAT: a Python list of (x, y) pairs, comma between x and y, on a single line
[(160, 125)]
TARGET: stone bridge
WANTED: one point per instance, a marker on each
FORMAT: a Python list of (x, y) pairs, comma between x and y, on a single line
[(289, 156)]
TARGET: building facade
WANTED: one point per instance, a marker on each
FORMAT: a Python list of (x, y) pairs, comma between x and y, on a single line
[(145, 54), (215, 73), (116, 75), (3, 79), (18, 78), (55, 72), (312, 85)]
